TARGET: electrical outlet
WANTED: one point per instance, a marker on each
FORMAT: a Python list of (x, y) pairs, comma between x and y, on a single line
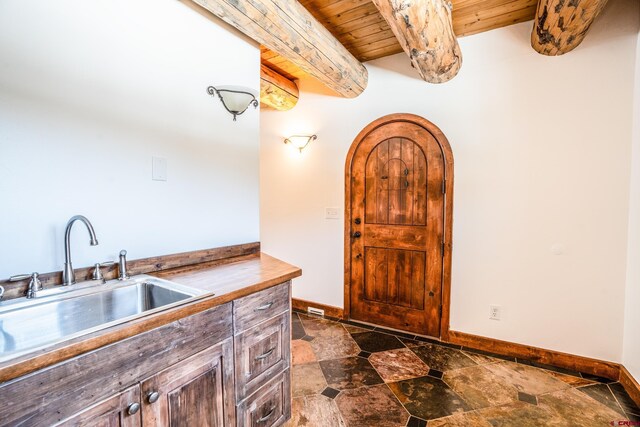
[(495, 311), (331, 213)]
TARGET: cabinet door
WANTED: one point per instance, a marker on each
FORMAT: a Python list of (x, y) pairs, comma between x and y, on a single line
[(121, 410), (195, 392)]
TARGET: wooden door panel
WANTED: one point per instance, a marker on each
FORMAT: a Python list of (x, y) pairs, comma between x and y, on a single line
[(394, 277), (111, 412), (197, 391), (397, 206)]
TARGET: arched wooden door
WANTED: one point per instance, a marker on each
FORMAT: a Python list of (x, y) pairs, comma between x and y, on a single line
[(397, 228)]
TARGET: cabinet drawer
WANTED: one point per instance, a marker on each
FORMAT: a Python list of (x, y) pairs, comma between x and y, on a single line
[(253, 309), (269, 406), (260, 353)]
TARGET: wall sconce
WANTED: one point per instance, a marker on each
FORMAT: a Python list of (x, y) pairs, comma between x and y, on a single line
[(300, 141), (235, 99)]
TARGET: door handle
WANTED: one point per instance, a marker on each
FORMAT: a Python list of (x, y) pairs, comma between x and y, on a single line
[(357, 235)]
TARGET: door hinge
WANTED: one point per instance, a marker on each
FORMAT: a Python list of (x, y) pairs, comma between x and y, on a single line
[(442, 248), (444, 186), (440, 310)]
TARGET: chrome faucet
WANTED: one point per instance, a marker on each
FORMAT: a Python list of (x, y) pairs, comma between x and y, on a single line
[(124, 275), (68, 276)]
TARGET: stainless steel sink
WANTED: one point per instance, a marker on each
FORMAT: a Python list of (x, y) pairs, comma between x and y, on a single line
[(62, 313)]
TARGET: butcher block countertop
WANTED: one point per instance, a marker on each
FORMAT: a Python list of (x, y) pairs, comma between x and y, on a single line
[(223, 280)]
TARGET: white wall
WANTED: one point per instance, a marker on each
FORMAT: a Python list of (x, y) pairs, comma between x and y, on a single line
[(89, 92), (541, 149), (631, 352)]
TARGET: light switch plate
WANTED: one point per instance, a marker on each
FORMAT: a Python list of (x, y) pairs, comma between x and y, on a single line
[(158, 168), (332, 213)]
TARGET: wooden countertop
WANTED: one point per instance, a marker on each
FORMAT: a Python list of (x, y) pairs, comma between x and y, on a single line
[(224, 280)]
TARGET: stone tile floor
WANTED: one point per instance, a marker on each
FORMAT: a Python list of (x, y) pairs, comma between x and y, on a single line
[(352, 375)]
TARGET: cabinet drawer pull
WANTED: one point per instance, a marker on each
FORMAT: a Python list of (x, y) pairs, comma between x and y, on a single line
[(133, 408), (267, 306), (265, 354), (153, 396), (266, 417)]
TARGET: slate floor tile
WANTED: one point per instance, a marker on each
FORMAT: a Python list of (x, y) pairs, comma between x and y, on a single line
[(372, 341), (397, 365), (428, 398), (628, 405), (333, 347), (575, 408), (297, 330), (467, 419), (307, 379), (349, 372), (371, 406), (480, 388), (602, 394), (302, 352), (443, 358), (315, 411), (526, 378), (519, 414)]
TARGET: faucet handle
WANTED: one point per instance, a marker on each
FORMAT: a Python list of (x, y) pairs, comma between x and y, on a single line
[(34, 285), (97, 274), (19, 277)]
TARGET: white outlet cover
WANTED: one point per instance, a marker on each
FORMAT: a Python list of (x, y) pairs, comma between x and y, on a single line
[(158, 168), (332, 213), (495, 312)]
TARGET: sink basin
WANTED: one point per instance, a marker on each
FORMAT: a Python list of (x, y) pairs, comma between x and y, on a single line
[(63, 313)]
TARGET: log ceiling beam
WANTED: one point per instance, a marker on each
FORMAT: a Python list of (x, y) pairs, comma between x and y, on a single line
[(277, 91), (561, 25), (424, 29), (287, 28)]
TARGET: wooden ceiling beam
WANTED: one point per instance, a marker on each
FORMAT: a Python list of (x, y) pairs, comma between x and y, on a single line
[(424, 29), (277, 91), (287, 28), (561, 25)]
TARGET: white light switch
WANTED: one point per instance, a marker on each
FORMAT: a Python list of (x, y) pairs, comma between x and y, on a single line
[(332, 213), (158, 169)]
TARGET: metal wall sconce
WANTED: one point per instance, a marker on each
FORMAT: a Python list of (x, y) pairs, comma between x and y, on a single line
[(235, 99), (300, 141)]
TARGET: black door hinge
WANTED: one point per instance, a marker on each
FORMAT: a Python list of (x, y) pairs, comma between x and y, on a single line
[(444, 186)]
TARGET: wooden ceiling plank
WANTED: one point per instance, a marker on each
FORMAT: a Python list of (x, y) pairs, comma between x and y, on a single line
[(475, 26), (560, 26), (278, 24)]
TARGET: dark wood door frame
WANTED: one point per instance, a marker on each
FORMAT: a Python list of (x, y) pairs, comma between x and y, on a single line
[(448, 213)]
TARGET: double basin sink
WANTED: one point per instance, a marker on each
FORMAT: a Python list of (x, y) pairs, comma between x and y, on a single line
[(62, 313)]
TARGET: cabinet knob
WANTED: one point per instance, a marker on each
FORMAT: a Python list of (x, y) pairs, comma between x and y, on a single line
[(133, 408), (153, 396), (357, 235)]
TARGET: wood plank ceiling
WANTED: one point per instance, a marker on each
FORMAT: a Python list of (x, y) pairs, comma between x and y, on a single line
[(358, 25)]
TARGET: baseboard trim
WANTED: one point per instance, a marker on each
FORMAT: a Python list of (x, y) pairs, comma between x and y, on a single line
[(558, 359), (611, 370), (630, 384), (329, 310)]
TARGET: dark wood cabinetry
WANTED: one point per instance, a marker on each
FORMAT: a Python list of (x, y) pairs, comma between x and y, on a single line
[(197, 391), (222, 367)]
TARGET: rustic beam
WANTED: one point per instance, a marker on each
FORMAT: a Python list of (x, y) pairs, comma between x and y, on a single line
[(425, 32), (287, 28), (561, 25), (277, 91)]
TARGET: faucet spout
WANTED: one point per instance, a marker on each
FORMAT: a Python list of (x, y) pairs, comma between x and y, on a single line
[(68, 276)]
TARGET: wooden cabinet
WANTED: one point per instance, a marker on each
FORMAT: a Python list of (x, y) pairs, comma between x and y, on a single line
[(224, 366), (120, 410), (197, 391), (262, 328)]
